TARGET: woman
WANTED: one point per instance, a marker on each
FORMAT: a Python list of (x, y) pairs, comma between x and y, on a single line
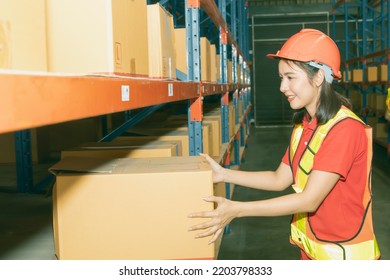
[(328, 162)]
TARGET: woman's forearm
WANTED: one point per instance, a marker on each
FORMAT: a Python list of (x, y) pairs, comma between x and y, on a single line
[(264, 180)]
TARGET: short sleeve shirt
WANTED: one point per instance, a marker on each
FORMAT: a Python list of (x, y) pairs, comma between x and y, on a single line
[(343, 151)]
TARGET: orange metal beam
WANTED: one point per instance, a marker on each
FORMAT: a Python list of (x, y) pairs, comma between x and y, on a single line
[(28, 101)]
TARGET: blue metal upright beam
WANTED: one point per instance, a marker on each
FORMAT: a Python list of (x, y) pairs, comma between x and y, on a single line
[(24, 170), (194, 74)]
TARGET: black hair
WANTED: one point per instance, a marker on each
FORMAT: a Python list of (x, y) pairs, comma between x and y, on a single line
[(329, 102)]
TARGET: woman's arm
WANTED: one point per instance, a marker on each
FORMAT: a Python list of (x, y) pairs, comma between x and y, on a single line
[(318, 186), (277, 180)]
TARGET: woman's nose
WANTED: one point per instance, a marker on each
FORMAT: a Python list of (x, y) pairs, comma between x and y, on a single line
[(283, 86)]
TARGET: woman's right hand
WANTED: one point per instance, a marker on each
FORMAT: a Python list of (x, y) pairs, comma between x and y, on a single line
[(218, 170)]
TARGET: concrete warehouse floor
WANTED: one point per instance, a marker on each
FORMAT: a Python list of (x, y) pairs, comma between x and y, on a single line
[(26, 219)]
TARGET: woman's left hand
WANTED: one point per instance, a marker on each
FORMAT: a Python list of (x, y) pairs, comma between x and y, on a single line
[(219, 218)]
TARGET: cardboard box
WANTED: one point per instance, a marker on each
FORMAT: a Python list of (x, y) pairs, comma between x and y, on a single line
[(372, 73), (230, 71), (383, 72), (213, 64), (23, 35), (130, 208), (177, 131), (382, 130), (181, 136), (205, 67), (181, 50), (161, 43), (357, 75), (344, 76), (120, 150), (215, 130), (218, 62), (97, 36)]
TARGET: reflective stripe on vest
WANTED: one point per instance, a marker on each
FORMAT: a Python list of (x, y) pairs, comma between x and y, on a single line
[(364, 244)]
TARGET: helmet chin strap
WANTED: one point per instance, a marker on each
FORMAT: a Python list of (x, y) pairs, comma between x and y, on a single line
[(327, 70)]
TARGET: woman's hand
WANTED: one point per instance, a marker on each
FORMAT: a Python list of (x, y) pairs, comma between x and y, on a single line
[(219, 218), (218, 170)]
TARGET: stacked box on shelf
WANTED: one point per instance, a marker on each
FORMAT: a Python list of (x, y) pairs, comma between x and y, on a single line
[(229, 71), (213, 64), (380, 104), (344, 77), (174, 133), (23, 47), (181, 50), (161, 42), (357, 75), (381, 130), (205, 66), (372, 73), (355, 98), (215, 130), (383, 72), (122, 150), (104, 36), (23, 35), (107, 209)]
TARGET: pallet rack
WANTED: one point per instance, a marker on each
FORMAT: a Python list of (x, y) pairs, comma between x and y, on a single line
[(31, 99), (364, 41)]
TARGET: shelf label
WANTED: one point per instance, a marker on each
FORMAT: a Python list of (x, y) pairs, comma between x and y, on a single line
[(170, 89), (125, 93)]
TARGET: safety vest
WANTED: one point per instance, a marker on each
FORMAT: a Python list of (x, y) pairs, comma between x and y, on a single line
[(363, 245)]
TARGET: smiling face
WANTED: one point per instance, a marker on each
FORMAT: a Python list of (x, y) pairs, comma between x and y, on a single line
[(301, 92)]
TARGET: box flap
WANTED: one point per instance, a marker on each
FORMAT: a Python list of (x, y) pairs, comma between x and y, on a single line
[(130, 165), (91, 165)]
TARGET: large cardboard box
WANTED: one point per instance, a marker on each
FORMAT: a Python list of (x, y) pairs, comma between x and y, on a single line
[(23, 35), (181, 50), (176, 135), (130, 208), (205, 67), (97, 36), (372, 73), (382, 130), (181, 131), (213, 64), (215, 130), (161, 43), (383, 73), (357, 75), (120, 150)]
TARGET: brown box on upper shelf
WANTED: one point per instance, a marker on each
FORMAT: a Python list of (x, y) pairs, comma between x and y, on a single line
[(92, 36), (357, 75), (372, 73), (382, 130), (23, 35), (122, 150), (161, 42), (181, 50), (383, 69)]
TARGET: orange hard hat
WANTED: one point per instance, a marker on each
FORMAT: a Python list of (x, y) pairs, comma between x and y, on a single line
[(311, 45)]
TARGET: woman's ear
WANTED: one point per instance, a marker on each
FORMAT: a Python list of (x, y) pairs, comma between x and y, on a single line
[(319, 78)]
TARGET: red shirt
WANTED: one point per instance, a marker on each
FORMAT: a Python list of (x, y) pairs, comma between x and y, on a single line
[(343, 151)]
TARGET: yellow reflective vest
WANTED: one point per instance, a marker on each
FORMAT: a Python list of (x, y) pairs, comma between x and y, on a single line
[(363, 245)]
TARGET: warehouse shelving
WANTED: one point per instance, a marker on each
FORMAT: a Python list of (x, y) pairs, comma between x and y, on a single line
[(365, 42), (34, 99)]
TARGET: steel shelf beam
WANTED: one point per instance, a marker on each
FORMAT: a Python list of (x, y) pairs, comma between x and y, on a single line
[(32, 100)]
